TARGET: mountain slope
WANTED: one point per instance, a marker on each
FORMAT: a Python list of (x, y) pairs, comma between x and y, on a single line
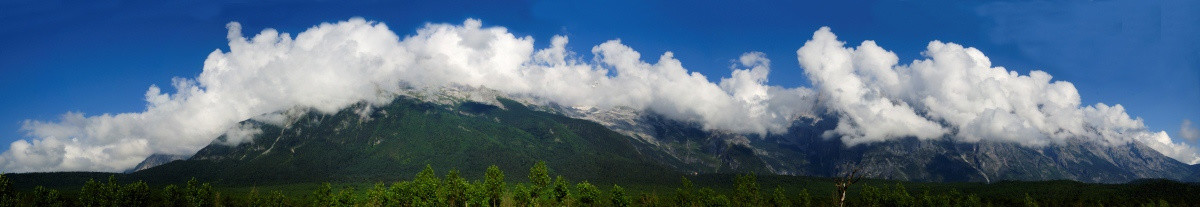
[(459, 129), (803, 151), (155, 160), (398, 140)]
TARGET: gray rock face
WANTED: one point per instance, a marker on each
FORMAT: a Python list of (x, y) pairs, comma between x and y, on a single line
[(803, 151), (156, 160), (939, 160)]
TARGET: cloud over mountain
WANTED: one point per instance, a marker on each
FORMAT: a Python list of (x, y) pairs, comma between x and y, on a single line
[(956, 93)]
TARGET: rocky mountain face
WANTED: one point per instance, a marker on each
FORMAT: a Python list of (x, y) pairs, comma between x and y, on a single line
[(802, 151), (156, 160), (470, 128)]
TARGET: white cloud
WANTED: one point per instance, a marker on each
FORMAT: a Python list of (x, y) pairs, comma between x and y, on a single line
[(332, 66), (1187, 131), (271, 77), (846, 78), (957, 93)]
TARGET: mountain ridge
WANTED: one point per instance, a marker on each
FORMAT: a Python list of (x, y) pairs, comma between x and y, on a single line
[(679, 147)]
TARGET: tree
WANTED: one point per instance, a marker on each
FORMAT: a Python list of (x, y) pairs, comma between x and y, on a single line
[(403, 193), (344, 197), (455, 189), (477, 194), (843, 184), (686, 196), (805, 199), (619, 199), (708, 197), (323, 195), (650, 199), (494, 183), (378, 196), (588, 194), (43, 196), (885, 196), (92, 194), (521, 195), (1029, 202), (200, 194), (425, 187), (748, 192), (173, 196), (539, 176), (276, 199), (113, 194), (8, 195), (779, 198), (192, 194), (560, 192), (135, 194)]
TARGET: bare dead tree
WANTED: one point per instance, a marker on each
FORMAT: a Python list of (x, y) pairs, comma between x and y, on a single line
[(844, 182)]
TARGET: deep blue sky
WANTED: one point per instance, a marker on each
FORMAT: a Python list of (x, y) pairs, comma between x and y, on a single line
[(100, 58)]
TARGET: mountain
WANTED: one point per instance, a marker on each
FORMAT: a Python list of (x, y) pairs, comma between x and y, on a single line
[(470, 129), (803, 151), (155, 160), (398, 140)]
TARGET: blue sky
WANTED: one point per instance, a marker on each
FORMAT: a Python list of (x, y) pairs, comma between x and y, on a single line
[(100, 58)]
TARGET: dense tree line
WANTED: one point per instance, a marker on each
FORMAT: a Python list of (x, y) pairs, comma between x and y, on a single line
[(112, 193), (429, 189)]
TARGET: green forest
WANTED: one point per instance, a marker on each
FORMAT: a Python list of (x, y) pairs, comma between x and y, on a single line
[(543, 188)]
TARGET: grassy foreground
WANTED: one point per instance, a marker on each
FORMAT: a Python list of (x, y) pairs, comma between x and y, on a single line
[(541, 188)]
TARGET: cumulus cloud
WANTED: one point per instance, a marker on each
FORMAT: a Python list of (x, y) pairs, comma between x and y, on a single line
[(957, 93), (271, 77), (852, 83)]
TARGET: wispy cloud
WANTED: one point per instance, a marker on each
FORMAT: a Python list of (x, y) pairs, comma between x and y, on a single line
[(1187, 131)]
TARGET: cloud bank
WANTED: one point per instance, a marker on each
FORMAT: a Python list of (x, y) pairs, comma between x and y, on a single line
[(956, 93)]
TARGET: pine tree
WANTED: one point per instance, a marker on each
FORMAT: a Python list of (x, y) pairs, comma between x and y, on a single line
[(426, 186), (539, 177), (200, 194), (135, 194), (747, 191), (805, 199), (495, 186), (8, 195), (91, 194), (455, 189), (779, 198), (686, 196), (173, 196), (43, 196)]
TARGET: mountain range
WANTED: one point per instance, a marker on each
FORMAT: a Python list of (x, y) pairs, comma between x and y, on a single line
[(469, 129)]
